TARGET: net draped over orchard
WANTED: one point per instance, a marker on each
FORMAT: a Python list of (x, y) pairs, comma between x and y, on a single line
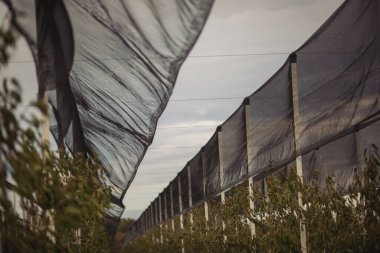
[(333, 103)]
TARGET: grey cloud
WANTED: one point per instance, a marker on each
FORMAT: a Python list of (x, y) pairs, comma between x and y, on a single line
[(251, 26), (228, 8)]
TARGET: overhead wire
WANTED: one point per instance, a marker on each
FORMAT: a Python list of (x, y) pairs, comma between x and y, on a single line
[(204, 56), (160, 57)]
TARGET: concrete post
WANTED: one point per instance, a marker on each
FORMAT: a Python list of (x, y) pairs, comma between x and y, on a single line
[(221, 174), (204, 185), (180, 211), (171, 205), (297, 134), (247, 115), (190, 192), (160, 218)]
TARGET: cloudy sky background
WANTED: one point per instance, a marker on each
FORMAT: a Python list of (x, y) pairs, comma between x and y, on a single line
[(243, 43)]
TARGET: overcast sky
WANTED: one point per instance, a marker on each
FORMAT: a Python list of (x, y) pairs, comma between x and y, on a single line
[(243, 43)]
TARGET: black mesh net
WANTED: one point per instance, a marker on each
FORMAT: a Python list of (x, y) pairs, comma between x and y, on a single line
[(338, 79), (337, 159), (211, 165), (109, 68), (175, 192), (234, 151), (155, 212), (196, 174), (338, 73), (162, 207), (168, 207), (146, 220), (369, 140), (271, 130), (151, 215), (183, 176), (157, 202)]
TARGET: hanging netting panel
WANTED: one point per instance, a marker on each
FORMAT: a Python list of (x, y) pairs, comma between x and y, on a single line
[(154, 212), (151, 214), (137, 226), (157, 214), (234, 148), (142, 224), (183, 176), (270, 124), (152, 220), (175, 191), (147, 221), (211, 165), (109, 68), (337, 159), (168, 208), (142, 219), (162, 207), (369, 140), (339, 73), (196, 174), (145, 216)]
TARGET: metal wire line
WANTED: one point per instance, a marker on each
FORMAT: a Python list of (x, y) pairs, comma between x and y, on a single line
[(207, 56)]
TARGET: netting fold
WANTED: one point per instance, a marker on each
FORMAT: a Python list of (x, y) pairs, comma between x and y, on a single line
[(108, 68)]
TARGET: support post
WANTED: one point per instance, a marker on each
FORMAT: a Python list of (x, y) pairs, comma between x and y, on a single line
[(265, 188), (180, 201), (152, 221), (160, 218), (159, 209), (297, 134), (156, 212), (166, 211), (190, 193), (141, 223), (172, 206), (146, 224), (204, 185), (221, 175), (151, 216), (147, 220), (156, 216), (359, 152), (180, 211), (247, 115)]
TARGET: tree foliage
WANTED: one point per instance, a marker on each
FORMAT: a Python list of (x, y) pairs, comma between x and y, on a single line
[(50, 201)]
